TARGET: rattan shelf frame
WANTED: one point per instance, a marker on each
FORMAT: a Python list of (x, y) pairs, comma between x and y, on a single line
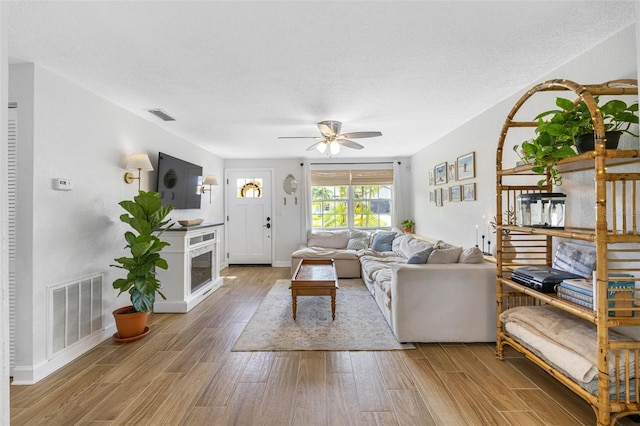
[(536, 245)]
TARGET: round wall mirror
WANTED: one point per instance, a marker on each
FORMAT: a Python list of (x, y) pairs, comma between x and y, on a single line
[(290, 184)]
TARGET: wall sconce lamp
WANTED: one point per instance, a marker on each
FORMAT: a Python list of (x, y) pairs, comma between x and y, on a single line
[(139, 162), (210, 180)]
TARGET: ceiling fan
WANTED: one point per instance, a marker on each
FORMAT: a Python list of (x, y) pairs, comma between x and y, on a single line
[(332, 138)]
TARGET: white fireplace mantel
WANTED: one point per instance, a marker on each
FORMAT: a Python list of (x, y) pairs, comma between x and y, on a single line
[(194, 248)]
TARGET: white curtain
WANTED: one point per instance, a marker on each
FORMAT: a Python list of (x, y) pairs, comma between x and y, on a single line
[(398, 199), (307, 223)]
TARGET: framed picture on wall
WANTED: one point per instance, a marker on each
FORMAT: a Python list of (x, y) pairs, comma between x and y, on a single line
[(441, 173), (466, 166), (455, 193), (445, 194), (469, 192), (452, 172), (431, 177), (431, 196), (439, 197)]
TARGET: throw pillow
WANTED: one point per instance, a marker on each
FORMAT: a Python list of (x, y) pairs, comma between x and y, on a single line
[(471, 255), (420, 257), (358, 239), (329, 239), (382, 241), (411, 245), (448, 255), (358, 243)]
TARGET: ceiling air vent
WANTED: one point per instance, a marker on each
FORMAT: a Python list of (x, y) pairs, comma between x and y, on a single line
[(161, 114)]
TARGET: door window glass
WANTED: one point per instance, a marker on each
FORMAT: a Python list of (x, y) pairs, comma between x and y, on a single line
[(249, 188)]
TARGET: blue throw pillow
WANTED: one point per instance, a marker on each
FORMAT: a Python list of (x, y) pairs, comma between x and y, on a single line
[(383, 241), (420, 257)]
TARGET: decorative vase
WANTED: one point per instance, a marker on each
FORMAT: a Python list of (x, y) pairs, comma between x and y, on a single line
[(407, 229), (130, 324), (508, 250), (585, 143)]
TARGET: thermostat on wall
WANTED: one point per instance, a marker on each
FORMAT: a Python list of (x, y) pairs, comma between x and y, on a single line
[(62, 184)]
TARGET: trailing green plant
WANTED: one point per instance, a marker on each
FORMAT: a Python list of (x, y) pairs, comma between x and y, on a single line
[(558, 129), (574, 119), (147, 216), (508, 218), (544, 152)]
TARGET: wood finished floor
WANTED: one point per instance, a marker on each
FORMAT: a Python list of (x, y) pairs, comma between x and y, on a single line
[(184, 373)]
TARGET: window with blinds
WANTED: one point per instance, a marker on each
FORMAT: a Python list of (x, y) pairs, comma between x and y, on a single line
[(351, 198)]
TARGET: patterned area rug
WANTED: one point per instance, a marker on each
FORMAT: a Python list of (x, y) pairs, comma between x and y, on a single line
[(359, 324)]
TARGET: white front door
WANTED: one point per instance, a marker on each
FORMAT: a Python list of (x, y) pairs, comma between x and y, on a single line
[(249, 216)]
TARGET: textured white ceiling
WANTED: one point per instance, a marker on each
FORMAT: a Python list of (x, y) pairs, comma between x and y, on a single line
[(236, 75)]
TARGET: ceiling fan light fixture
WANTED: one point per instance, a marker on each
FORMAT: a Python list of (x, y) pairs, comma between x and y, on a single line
[(322, 147), (334, 147)]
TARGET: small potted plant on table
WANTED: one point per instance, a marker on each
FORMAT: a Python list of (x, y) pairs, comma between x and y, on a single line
[(407, 226), (146, 215)]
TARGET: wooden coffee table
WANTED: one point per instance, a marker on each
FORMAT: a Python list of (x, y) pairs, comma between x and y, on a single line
[(314, 277)]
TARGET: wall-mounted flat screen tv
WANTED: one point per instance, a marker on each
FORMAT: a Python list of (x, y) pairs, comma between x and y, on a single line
[(179, 182)]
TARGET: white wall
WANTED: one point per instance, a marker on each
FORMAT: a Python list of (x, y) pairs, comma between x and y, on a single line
[(4, 282), (68, 132), (613, 59), (289, 223)]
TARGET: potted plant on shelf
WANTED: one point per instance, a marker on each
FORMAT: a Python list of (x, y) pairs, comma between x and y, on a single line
[(544, 152), (573, 121), (407, 226), (147, 216), (571, 126)]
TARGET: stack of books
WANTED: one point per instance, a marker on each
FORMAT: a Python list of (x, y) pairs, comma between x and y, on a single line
[(578, 291)]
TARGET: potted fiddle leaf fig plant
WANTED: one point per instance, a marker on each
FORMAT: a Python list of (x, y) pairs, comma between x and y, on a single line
[(147, 217)]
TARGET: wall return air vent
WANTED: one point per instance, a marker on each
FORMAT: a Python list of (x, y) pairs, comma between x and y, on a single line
[(161, 115)]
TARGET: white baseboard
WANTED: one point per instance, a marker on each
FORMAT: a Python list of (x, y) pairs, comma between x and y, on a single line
[(282, 264), (28, 375)]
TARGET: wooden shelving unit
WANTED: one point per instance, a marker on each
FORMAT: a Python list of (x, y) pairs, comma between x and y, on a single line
[(616, 198)]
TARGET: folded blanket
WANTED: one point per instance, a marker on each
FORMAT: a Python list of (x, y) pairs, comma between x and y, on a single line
[(572, 364), (557, 327)]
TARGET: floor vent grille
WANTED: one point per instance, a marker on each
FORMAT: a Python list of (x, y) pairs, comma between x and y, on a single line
[(75, 312)]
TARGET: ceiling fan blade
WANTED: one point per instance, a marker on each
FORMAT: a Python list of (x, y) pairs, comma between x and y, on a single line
[(326, 130), (299, 137), (355, 135), (349, 144), (312, 147)]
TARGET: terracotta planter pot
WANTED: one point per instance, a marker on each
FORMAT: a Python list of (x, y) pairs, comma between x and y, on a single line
[(130, 323)]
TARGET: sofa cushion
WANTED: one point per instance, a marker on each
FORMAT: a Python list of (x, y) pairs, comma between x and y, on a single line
[(420, 257), (412, 245), (358, 240), (471, 255), (397, 241), (445, 255), (329, 239), (324, 253), (382, 241)]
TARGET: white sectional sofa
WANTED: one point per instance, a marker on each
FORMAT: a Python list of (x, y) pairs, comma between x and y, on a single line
[(447, 296)]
